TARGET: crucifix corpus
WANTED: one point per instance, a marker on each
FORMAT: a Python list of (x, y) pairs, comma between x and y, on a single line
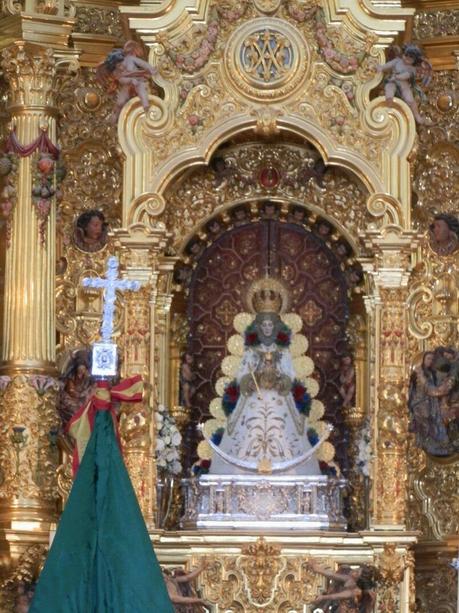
[(104, 352)]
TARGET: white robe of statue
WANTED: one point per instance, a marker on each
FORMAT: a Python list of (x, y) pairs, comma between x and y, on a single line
[(265, 422)]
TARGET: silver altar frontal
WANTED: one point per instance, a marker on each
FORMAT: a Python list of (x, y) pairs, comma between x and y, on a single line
[(264, 501)]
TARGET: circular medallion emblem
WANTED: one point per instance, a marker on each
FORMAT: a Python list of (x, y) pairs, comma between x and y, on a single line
[(267, 59)]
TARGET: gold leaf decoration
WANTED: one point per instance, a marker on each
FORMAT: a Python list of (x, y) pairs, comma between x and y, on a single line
[(317, 410), (230, 365), (294, 322), (242, 320), (211, 425), (235, 345), (204, 450), (299, 345), (216, 409), (221, 384), (321, 427), (326, 452), (303, 366), (312, 386)]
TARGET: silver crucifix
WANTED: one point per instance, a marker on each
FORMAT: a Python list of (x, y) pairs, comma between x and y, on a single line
[(104, 358)]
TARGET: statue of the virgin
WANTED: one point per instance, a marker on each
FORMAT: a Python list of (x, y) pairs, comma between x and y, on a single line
[(265, 427)]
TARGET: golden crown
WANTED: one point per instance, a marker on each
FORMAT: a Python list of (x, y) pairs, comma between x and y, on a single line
[(267, 301), (267, 296)]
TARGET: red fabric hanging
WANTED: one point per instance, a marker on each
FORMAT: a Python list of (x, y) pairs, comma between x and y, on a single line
[(43, 143)]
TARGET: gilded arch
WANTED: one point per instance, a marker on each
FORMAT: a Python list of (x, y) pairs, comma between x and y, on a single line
[(222, 100)]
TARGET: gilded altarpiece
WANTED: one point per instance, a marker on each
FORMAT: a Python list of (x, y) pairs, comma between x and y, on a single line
[(158, 185), (215, 92)]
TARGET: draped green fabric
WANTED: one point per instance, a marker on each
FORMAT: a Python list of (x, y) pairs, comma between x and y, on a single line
[(102, 559)]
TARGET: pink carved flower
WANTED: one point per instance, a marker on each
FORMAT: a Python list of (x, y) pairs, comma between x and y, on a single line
[(6, 207), (193, 120), (41, 383), (353, 63), (43, 206), (4, 382)]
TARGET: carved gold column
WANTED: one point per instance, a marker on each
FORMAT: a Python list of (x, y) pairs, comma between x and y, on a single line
[(396, 591), (140, 250), (28, 452), (389, 273)]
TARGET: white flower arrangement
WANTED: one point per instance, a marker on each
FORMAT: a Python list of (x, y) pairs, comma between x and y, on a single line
[(168, 442), (365, 452)]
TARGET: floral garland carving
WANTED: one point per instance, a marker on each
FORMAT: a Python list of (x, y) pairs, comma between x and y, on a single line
[(191, 61), (8, 171), (343, 62)]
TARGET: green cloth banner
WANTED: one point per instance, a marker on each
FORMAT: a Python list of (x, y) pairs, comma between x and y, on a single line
[(102, 559)]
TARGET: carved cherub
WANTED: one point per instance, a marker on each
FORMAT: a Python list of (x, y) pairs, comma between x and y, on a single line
[(181, 590), (125, 71), (408, 65), (354, 589)]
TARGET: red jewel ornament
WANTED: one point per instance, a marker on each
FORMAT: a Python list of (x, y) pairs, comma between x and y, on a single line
[(269, 177)]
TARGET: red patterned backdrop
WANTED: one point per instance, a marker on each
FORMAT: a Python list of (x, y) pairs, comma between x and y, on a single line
[(318, 292)]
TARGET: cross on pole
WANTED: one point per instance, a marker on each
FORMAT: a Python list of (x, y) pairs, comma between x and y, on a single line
[(104, 352)]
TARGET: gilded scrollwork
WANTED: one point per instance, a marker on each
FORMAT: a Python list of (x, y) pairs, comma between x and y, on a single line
[(28, 440), (24, 573), (238, 174), (436, 167), (436, 589), (432, 486), (98, 20), (318, 72), (78, 310), (260, 577), (391, 566), (428, 24)]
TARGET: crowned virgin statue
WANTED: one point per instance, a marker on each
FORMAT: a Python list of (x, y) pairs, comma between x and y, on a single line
[(266, 420)]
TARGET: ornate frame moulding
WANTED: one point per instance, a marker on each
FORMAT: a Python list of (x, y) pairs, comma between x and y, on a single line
[(236, 82)]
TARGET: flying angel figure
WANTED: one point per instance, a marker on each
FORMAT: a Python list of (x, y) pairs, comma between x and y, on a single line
[(126, 72), (408, 66)]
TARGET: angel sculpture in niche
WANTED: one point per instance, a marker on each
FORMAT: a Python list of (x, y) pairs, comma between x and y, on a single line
[(125, 71), (408, 65)]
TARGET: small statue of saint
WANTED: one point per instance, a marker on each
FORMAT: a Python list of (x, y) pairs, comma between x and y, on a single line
[(187, 377), (90, 233), (433, 402), (444, 234), (347, 381), (77, 385)]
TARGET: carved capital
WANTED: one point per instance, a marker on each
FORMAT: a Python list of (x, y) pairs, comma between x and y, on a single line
[(31, 73), (393, 249), (140, 247)]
